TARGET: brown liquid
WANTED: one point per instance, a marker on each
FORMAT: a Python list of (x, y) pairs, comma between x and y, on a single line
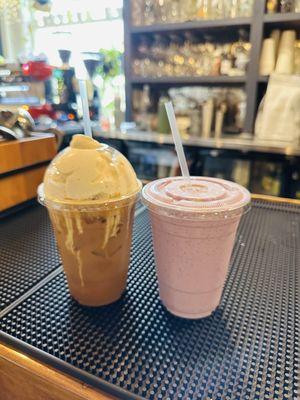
[(95, 250)]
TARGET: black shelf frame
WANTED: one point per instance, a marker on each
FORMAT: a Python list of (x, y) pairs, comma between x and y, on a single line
[(258, 24), (193, 25), (281, 18), (263, 78), (222, 79)]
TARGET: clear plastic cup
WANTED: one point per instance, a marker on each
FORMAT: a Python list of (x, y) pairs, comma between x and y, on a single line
[(194, 223), (94, 241)]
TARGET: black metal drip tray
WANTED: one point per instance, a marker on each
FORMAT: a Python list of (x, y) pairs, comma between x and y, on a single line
[(248, 349), (28, 252)]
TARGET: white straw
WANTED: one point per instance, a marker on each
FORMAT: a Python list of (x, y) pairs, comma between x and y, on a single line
[(177, 140), (85, 108)]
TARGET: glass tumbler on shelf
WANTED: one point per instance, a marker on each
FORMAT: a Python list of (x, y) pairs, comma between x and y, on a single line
[(234, 9), (188, 10), (137, 12), (158, 53), (143, 52), (188, 67), (204, 9), (136, 67), (161, 11), (173, 9), (149, 12), (175, 54), (245, 8), (218, 9)]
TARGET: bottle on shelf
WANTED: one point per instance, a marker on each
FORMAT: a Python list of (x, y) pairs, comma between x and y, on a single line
[(226, 60), (163, 125), (272, 6)]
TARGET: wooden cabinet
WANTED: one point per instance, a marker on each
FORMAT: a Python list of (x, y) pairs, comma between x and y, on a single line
[(23, 378), (22, 167)]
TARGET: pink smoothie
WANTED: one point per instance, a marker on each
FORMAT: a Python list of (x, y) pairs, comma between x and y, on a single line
[(194, 223)]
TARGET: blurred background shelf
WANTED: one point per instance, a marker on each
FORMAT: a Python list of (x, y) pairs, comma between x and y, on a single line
[(186, 80), (257, 26), (245, 143), (264, 79), (209, 68), (193, 25), (288, 19), (262, 166), (222, 30)]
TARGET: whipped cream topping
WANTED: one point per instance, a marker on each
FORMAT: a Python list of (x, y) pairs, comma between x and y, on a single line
[(89, 171)]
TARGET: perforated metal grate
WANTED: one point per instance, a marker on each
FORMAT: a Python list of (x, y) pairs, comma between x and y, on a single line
[(248, 349), (27, 252)]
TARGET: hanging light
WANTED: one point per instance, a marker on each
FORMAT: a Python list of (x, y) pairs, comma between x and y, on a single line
[(42, 5)]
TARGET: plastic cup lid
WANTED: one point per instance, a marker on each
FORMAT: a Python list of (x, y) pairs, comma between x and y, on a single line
[(86, 205), (197, 197)]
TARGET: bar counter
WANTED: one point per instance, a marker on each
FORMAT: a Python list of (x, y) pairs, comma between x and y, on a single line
[(51, 348), (244, 142)]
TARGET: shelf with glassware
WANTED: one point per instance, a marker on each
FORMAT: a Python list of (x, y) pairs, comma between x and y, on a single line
[(152, 12), (185, 80), (197, 25), (290, 19), (282, 12), (166, 50)]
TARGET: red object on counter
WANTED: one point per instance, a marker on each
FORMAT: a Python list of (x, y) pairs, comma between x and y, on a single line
[(45, 109), (37, 69)]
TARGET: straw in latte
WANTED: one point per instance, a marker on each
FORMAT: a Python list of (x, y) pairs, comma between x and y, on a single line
[(194, 223), (90, 190)]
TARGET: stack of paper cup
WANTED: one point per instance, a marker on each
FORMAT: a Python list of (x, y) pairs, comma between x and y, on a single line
[(275, 34), (297, 59), (286, 53), (207, 113), (267, 57)]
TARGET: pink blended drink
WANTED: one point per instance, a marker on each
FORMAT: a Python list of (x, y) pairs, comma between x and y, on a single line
[(194, 223)]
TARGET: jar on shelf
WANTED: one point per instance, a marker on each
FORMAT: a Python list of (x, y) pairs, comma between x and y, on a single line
[(287, 6)]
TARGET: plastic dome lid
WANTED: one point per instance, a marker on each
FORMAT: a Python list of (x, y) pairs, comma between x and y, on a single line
[(203, 197)]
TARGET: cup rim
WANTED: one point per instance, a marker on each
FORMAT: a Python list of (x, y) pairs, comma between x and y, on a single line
[(193, 213), (88, 205)]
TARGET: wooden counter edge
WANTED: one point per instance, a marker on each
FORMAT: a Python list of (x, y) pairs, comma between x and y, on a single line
[(275, 199), (58, 384)]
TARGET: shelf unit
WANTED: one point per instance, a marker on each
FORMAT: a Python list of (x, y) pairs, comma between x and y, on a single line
[(258, 24), (282, 19), (193, 25), (189, 80), (263, 79)]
